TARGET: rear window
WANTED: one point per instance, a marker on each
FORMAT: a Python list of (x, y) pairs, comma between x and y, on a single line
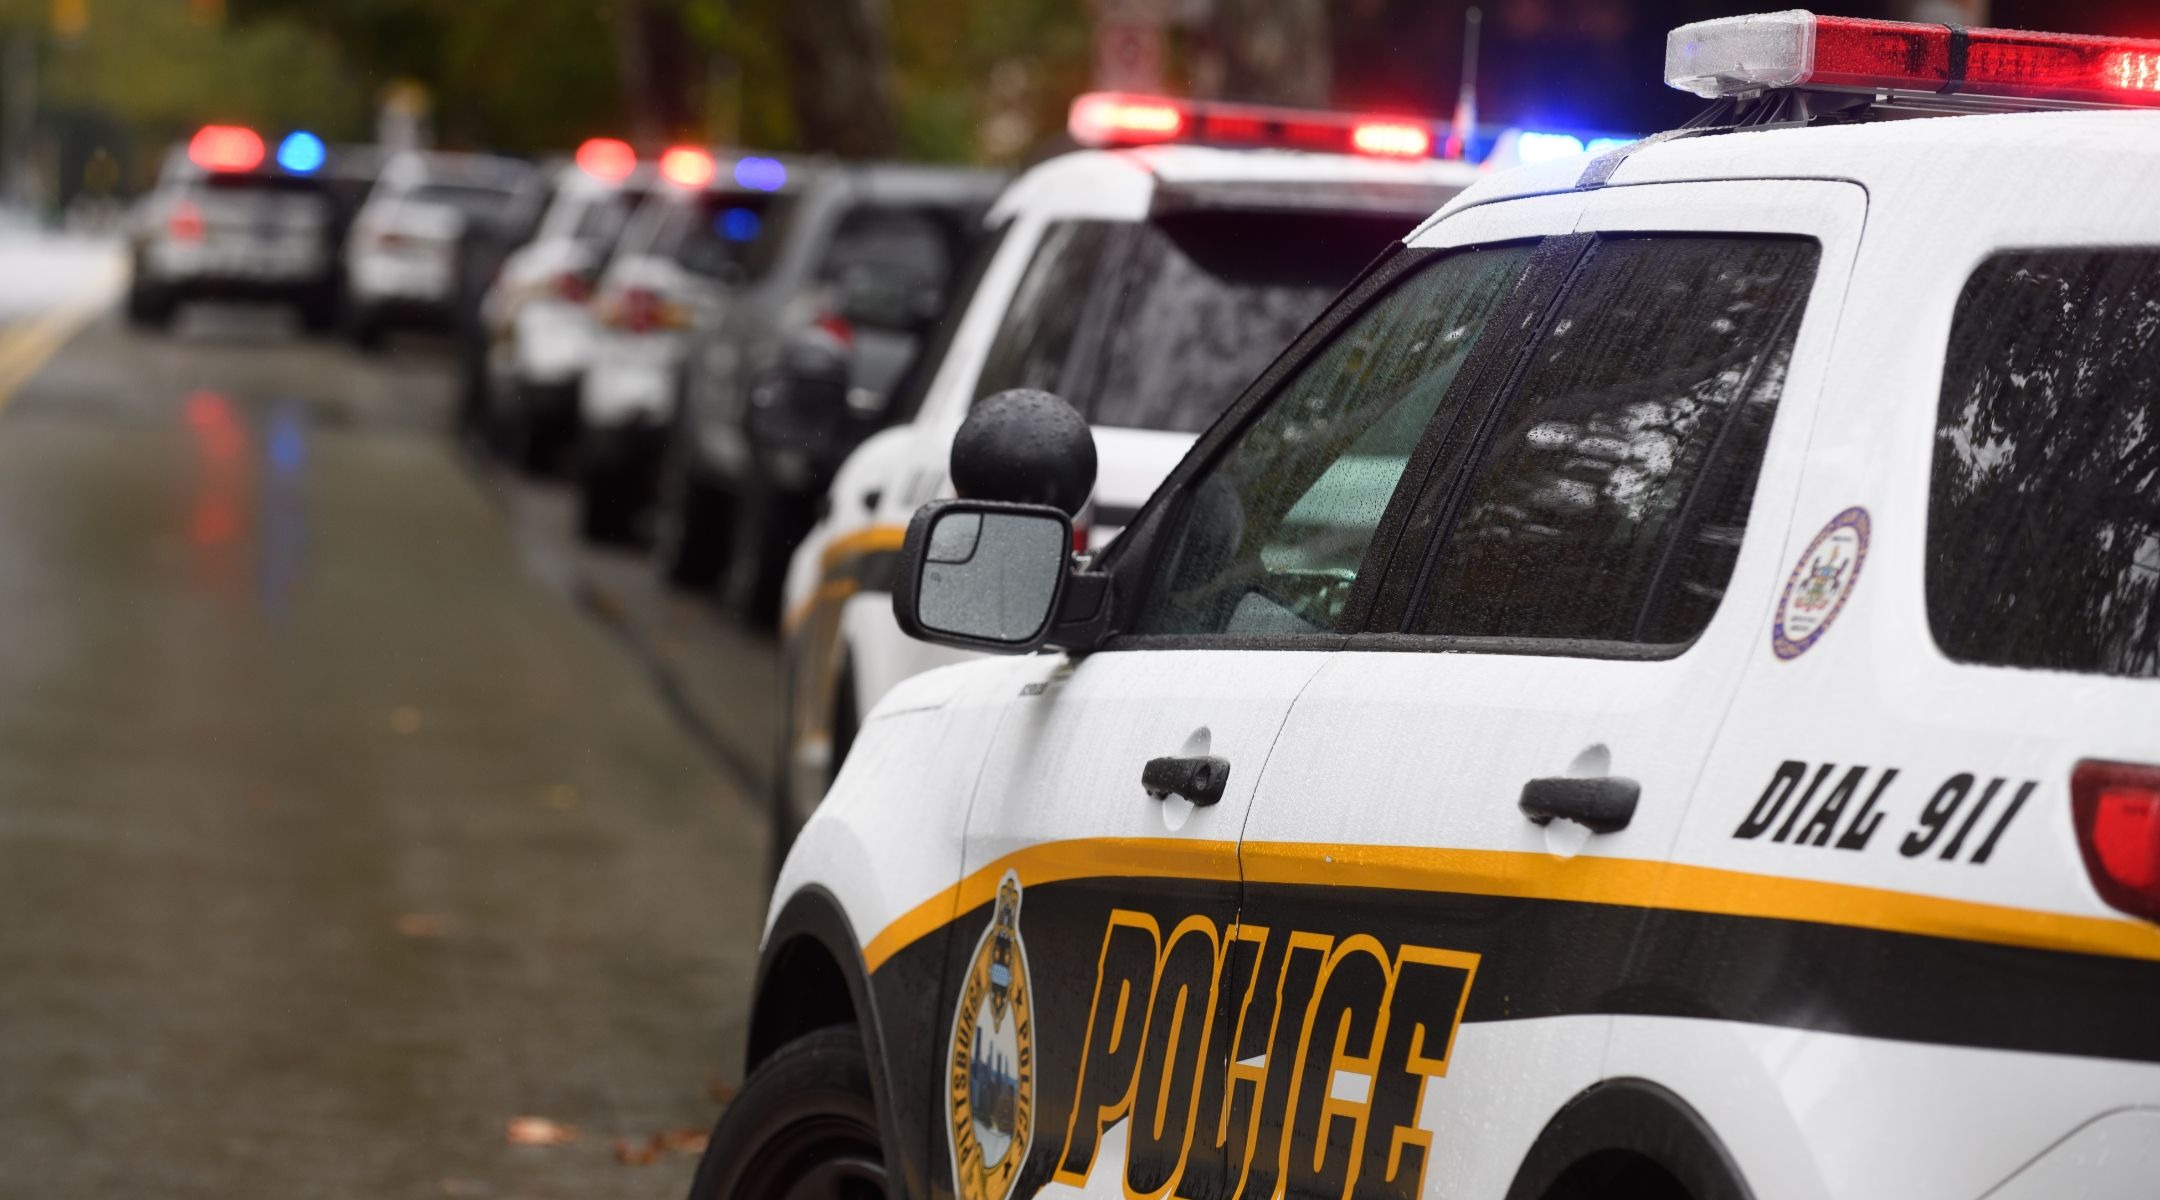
[(1160, 325), (2044, 511), (719, 234), (602, 223), (482, 202)]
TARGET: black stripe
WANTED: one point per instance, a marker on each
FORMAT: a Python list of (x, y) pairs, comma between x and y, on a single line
[(1960, 50)]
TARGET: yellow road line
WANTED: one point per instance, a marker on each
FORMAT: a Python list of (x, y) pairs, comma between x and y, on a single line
[(27, 348)]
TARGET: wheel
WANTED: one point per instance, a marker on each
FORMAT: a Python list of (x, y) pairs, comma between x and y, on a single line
[(694, 524), (364, 328), (804, 1127), (149, 307), (607, 506), (319, 312)]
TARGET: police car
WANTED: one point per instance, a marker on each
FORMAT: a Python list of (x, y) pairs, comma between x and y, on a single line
[(1656, 693), (538, 311), (230, 219), (1146, 279), (402, 265), (702, 233)]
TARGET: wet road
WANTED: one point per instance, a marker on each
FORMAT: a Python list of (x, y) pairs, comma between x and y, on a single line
[(347, 809)]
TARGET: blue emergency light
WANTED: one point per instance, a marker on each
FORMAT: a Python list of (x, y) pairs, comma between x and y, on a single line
[(761, 174), (302, 152)]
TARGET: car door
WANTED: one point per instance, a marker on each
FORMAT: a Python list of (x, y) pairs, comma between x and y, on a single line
[(1464, 815), (1123, 904)]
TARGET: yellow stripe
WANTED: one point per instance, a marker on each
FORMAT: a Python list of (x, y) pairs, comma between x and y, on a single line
[(846, 547), (1635, 883), (1056, 862), (26, 352)]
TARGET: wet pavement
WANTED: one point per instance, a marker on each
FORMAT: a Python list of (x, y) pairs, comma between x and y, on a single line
[(348, 809)]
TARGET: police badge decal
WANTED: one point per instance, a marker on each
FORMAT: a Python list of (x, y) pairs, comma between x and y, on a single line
[(991, 1102)]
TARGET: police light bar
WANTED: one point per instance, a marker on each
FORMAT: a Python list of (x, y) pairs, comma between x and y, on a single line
[(1106, 120), (607, 159), (226, 148), (686, 166), (1741, 55)]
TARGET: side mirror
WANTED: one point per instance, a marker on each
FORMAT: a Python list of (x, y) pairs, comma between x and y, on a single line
[(1023, 446), (982, 575)]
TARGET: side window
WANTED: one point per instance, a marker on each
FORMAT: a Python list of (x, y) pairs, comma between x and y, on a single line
[(1610, 500), (914, 382), (1043, 320), (1271, 536), (2044, 515)]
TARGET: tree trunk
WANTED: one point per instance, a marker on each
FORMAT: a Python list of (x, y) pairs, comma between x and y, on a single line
[(841, 75), (1274, 51), (653, 57)]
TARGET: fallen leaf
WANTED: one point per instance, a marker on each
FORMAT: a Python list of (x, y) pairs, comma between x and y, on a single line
[(637, 1152), (537, 1131), (419, 925), (685, 1141), (404, 719)]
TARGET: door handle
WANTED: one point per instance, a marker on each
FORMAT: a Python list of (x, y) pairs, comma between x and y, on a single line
[(1605, 804), (1198, 777)]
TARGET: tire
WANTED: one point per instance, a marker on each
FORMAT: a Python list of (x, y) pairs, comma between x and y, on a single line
[(319, 312), (365, 329), (149, 308), (607, 502), (804, 1125), (694, 525)]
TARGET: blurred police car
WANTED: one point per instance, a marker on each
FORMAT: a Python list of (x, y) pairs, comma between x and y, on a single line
[(703, 233), (1655, 694), (537, 314), (799, 366), (229, 219), (402, 257), (1146, 281)]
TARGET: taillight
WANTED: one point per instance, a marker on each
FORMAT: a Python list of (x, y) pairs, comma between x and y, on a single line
[(574, 287), (642, 310), (185, 223), (2117, 811), (1080, 538), (836, 327)]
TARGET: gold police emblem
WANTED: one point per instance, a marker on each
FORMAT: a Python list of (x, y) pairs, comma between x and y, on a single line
[(991, 1101)]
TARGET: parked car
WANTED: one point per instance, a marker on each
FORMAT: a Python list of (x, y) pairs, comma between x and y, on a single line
[(536, 314), (1655, 694), (405, 256), (801, 365), (1146, 284), (230, 219)]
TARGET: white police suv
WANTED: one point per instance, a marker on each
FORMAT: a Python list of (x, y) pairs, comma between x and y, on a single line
[(230, 219), (538, 311), (1146, 280), (1655, 694)]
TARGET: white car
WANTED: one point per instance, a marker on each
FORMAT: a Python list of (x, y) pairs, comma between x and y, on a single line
[(538, 312), (402, 256), (702, 233), (232, 220), (1656, 694), (1146, 284)]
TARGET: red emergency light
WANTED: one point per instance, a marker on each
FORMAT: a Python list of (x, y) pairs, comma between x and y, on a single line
[(1113, 119), (686, 166), (609, 159), (1739, 55), (226, 148)]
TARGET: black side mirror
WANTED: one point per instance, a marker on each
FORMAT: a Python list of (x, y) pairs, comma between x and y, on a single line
[(983, 575), (1025, 447)]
